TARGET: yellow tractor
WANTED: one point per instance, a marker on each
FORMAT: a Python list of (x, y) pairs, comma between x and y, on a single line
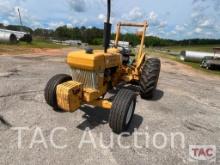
[(95, 72)]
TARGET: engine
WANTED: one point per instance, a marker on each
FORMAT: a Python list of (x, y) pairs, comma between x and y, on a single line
[(126, 53), (94, 69)]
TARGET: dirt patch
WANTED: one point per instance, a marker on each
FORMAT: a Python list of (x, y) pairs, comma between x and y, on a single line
[(170, 62), (36, 58), (51, 52), (178, 68), (16, 50)]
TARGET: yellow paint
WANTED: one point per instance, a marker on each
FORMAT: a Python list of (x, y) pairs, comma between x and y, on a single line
[(90, 95), (97, 61), (102, 103), (69, 96)]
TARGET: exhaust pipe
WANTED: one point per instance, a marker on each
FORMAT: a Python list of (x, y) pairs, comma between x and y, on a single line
[(107, 27)]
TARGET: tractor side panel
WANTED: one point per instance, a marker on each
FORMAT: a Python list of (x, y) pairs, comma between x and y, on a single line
[(112, 60)]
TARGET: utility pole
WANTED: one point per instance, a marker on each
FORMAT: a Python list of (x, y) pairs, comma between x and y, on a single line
[(21, 24)]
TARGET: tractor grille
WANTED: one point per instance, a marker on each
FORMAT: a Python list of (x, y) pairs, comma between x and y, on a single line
[(89, 79)]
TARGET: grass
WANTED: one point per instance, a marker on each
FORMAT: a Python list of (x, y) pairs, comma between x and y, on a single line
[(41, 44), (35, 44), (96, 47), (177, 59), (23, 47), (204, 48)]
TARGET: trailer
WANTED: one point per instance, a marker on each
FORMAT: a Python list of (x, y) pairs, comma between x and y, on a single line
[(14, 36), (212, 63)]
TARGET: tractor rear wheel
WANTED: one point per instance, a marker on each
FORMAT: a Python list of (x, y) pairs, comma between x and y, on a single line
[(122, 110), (149, 77), (50, 90)]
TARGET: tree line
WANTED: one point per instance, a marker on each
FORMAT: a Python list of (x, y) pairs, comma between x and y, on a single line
[(94, 36)]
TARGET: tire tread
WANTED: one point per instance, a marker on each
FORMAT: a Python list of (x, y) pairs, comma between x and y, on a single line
[(119, 110), (149, 77)]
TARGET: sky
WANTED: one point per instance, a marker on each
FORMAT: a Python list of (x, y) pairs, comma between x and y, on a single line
[(174, 19)]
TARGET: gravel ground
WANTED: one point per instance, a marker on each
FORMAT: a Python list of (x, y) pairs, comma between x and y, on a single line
[(186, 102)]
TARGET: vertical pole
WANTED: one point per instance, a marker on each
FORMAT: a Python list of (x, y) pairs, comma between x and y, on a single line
[(108, 11), (117, 34), (142, 42), (19, 14), (107, 27)]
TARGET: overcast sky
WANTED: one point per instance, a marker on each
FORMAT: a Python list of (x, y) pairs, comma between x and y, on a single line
[(175, 19)]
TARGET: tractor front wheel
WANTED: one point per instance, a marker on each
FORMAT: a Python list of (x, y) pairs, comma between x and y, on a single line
[(149, 78), (122, 110), (50, 90)]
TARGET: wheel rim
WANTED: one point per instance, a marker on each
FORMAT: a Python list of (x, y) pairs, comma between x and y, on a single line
[(130, 111)]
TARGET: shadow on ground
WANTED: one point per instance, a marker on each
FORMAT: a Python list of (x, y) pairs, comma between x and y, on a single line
[(158, 94), (94, 117), (98, 116)]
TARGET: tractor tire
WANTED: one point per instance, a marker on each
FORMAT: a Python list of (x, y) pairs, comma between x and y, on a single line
[(149, 78), (50, 90), (122, 110)]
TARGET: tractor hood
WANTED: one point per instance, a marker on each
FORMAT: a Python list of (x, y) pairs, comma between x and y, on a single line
[(96, 61)]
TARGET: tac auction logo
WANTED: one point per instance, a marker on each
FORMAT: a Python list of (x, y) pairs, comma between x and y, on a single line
[(202, 153)]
